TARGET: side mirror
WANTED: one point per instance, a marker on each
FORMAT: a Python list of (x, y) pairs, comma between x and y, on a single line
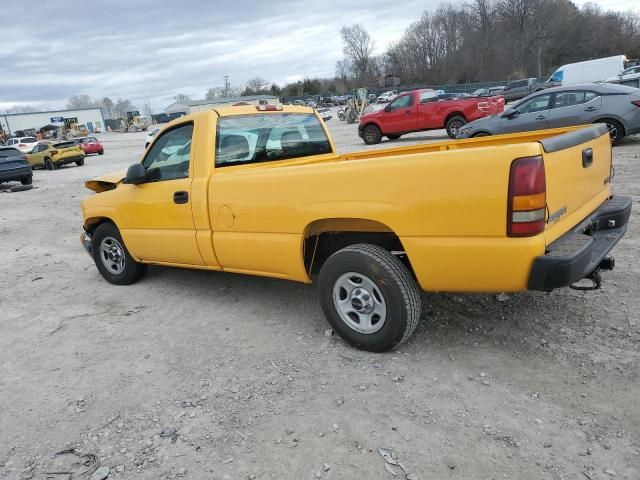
[(510, 113), (387, 108), (136, 174)]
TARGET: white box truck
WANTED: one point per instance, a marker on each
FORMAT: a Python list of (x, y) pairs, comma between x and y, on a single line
[(586, 72)]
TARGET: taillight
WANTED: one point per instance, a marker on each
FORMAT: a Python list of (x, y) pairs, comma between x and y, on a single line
[(527, 197), (636, 103)]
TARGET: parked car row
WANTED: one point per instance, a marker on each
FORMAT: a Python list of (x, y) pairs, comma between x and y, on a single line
[(21, 155), (617, 106)]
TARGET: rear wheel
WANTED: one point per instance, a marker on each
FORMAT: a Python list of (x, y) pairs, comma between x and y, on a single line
[(616, 130), (101, 152), (27, 181), (80, 162), (49, 165), (112, 257), (371, 135), (393, 137), (369, 297), (454, 124)]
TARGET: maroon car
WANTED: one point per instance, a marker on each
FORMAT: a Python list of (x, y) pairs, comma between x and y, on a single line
[(90, 145)]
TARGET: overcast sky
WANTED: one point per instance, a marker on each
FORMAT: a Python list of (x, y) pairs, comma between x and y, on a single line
[(154, 49)]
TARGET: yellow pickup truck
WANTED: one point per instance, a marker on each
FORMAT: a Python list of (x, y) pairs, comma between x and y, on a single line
[(260, 190)]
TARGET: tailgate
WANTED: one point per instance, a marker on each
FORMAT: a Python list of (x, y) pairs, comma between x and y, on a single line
[(578, 174)]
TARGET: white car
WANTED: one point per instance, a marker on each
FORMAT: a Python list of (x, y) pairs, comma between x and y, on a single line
[(151, 133), (325, 113), (387, 96), (24, 144), (631, 73)]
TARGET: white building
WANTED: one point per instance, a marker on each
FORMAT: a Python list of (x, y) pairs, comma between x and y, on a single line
[(90, 117)]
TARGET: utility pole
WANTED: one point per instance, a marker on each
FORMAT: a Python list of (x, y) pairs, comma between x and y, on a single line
[(226, 86)]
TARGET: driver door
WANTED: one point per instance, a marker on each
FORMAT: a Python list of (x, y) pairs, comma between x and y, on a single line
[(401, 116), (531, 114), (157, 222)]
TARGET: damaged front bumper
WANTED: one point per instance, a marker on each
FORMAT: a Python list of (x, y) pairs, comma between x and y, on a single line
[(85, 240)]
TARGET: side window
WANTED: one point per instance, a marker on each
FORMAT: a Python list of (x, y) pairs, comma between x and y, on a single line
[(557, 76), (537, 104), (428, 96), (168, 158), (568, 99), (588, 96), (402, 102)]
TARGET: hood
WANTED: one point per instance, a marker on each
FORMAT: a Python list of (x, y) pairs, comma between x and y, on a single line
[(106, 182)]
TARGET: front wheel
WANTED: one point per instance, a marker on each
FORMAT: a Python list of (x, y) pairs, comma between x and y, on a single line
[(371, 135), (481, 134), (80, 162), (393, 137), (616, 131), (101, 152), (454, 124), (369, 297), (49, 165), (27, 181), (112, 257)]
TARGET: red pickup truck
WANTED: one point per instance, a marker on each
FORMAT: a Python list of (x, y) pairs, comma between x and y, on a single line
[(420, 110)]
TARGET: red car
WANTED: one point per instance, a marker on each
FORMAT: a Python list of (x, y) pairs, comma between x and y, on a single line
[(90, 145), (420, 110)]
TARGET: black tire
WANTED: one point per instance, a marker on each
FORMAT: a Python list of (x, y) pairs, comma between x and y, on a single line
[(49, 165), (131, 270), (387, 279), (482, 134), (371, 135), (616, 130), (80, 162), (101, 152), (454, 124), (393, 137), (27, 181)]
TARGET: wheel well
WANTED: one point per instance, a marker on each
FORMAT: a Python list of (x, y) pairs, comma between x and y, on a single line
[(604, 119), (91, 224), (371, 124), (454, 114), (325, 237)]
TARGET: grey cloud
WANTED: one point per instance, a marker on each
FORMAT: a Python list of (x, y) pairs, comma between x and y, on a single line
[(154, 49)]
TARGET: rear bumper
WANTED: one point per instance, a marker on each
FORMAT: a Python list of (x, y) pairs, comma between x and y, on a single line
[(581, 251), (67, 160), (15, 174)]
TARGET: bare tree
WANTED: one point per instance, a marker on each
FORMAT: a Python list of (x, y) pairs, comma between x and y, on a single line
[(342, 69), (81, 101), (22, 109), (122, 106), (358, 48), (256, 86), (181, 98), (147, 109), (106, 104)]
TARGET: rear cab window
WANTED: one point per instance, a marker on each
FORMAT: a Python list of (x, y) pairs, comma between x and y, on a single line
[(246, 139)]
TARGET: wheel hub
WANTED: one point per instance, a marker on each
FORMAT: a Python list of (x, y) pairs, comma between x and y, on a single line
[(361, 300)]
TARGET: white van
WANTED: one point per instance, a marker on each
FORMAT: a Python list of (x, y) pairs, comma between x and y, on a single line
[(587, 72)]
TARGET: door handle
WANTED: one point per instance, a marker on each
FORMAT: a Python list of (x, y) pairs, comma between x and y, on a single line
[(541, 117), (587, 157), (590, 109), (180, 197)]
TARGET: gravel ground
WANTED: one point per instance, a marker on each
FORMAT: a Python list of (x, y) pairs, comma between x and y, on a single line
[(220, 376)]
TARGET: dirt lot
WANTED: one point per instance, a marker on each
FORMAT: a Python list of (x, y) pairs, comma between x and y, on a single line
[(219, 376)]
